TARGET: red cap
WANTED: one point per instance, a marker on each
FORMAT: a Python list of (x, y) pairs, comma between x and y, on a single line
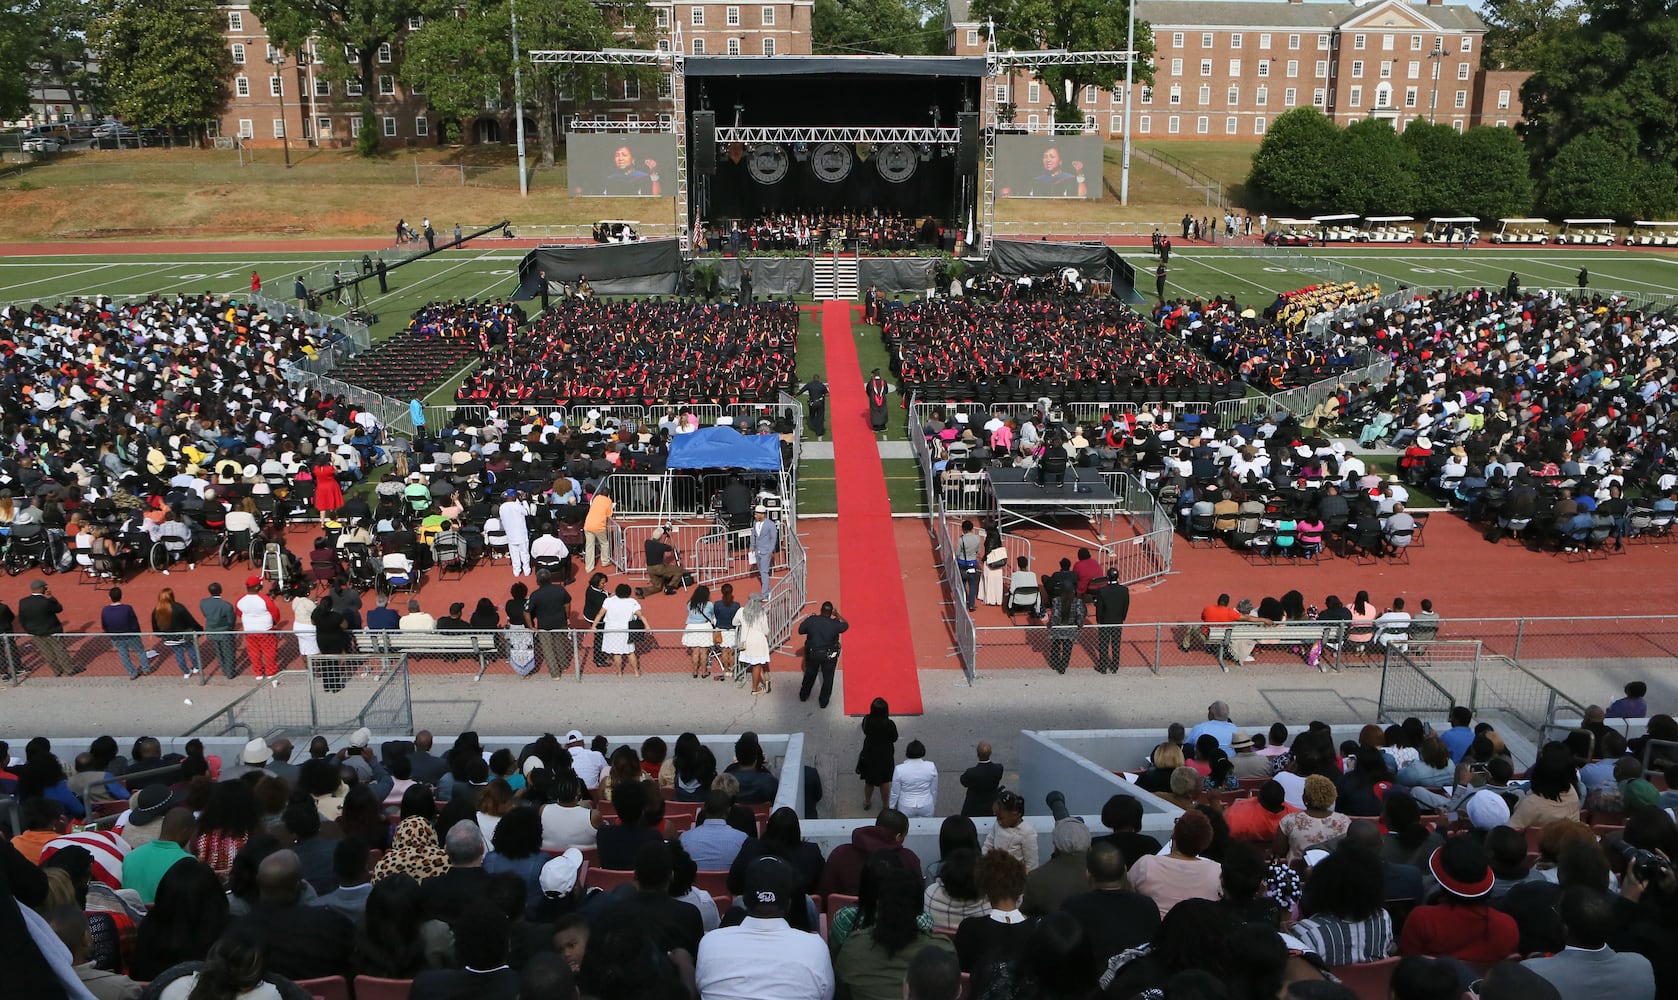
[(252, 581)]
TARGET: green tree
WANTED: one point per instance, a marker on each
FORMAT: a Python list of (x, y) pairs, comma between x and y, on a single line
[(347, 35), (1373, 170), (901, 27), (1597, 174), (1439, 158), (1074, 25), (164, 62), (60, 36), (16, 53), (1515, 29), (1495, 175), (1294, 164)]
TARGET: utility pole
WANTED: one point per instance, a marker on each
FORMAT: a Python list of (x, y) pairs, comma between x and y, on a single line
[(518, 101), (278, 59), (1438, 56), (1130, 46)]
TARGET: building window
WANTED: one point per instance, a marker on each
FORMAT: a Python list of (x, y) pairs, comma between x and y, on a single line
[(1264, 39), (235, 21), (1264, 67), (238, 54), (352, 88), (972, 37), (415, 23), (1261, 97), (1358, 42), (1357, 69), (1034, 94), (1032, 121), (323, 88), (734, 46), (1293, 42), (1204, 97), (1386, 70), (355, 126), (1462, 71), (1144, 124), (279, 128), (1457, 124), (1415, 43), (387, 85), (698, 18), (598, 93), (1176, 67), (1413, 70), (276, 87), (1202, 125), (1090, 95), (1383, 96), (422, 128), (699, 46), (247, 129), (1173, 125), (732, 17), (632, 89), (1322, 68), (1387, 42), (664, 45), (1462, 99), (242, 86), (385, 54), (1322, 43), (1319, 97), (1234, 96), (1235, 67), (1147, 95), (664, 123), (352, 55), (1293, 68), (1231, 124), (1290, 97), (1356, 100), (666, 89), (768, 46), (661, 19), (1176, 39), (1001, 94), (1503, 100), (323, 128), (1206, 39), (1205, 67), (390, 128), (1502, 124), (1258, 126), (767, 17), (1235, 39), (1468, 43), (1176, 95)]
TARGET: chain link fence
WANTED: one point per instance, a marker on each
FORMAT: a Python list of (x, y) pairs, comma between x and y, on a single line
[(356, 331), (334, 695)]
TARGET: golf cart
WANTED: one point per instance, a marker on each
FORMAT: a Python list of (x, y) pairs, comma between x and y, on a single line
[(1587, 232), (1292, 232), (616, 231), (1652, 234), (1337, 228), (1521, 231), (1451, 229), (1385, 229)]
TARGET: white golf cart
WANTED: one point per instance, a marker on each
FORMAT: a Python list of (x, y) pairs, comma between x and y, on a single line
[(1652, 234), (1451, 229), (1521, 231), (616, 231), (1387, 229), (1336, 228), (1292, 232), (1587, 232)]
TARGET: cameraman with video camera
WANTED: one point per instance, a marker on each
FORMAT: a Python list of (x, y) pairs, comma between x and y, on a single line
[(664, 564), (1646, 914)]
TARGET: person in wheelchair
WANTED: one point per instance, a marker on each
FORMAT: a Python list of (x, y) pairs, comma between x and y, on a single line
[(664, 565), (550, 552), (172, 541)]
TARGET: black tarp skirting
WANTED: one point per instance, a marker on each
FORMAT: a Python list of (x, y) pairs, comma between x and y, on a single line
[(651, 267)]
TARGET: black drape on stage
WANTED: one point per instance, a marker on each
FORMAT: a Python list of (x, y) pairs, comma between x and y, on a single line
[(651, 267)]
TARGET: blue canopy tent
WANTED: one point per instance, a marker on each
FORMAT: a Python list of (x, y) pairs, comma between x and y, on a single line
[(725, 448)]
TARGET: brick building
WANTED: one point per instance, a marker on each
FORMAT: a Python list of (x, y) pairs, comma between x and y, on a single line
[(1226, 68), (266, 103)]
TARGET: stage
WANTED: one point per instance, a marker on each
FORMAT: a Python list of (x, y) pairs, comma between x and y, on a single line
[(1085, 495)]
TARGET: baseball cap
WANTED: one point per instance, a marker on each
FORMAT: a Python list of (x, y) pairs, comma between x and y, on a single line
[(559, 875), (1486, 809), (770, 884), (573, 736), (256, 752), (254, 580), (361, 737)]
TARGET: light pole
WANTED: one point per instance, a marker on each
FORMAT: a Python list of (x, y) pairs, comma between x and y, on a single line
[(1130, 61), (518, 102), (278, 59), (1438, 56)]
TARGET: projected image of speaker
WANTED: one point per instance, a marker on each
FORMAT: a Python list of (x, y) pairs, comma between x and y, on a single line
[(967, 152), (702, 142)]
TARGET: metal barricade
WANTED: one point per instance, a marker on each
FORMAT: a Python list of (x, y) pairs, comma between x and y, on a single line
[(357, 332)]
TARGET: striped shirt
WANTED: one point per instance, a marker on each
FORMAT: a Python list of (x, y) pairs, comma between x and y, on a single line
[(1338, 941)]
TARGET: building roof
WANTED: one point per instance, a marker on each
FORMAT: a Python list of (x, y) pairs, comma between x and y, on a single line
[(1275, 13)]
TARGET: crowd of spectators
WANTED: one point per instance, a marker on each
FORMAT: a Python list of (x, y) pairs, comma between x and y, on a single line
[(1062, 346), (644, 352), (438, 338), (1269, 350)]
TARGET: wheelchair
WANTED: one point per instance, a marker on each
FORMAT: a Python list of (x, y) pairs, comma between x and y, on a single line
[(236, 544), (30, 545), (166, 552)]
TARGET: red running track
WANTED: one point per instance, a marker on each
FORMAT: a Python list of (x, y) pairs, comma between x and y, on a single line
[(879, 657)]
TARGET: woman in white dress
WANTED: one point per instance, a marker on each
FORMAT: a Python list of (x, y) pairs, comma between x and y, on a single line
[(302, 611), (615, 640), (751, 631), (701, 627), (993, 569)]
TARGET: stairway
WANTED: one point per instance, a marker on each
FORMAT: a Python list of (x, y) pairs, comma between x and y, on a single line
[(835, 276)]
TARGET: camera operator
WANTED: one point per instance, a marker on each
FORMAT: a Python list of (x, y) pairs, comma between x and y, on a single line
[(1646, 914), (664, 564)]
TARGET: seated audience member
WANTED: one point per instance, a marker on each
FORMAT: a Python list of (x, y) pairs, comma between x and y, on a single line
[(1114, 916), (393, 940), (764, 958), (1182, 873), (989, 945), (1343, 921), (144, 867), (236, 966), (843, 871), (1460, 922), (1063, 875), (1588, 966), (646, 899), (189, 914), (934, 974), (1256, 818), (352, 881), (1318, 822), (873, 961), (1633, 705), (481, 971), (304, 942), (448, 893), (757, 784), (620, 843), (1122, 814), (70, 923)]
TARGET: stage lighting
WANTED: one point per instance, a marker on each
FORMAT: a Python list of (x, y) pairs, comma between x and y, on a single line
[(926, 152), (801, 151)]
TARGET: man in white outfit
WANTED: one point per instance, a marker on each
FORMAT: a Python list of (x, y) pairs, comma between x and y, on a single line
[(512, 515), (914, 784)]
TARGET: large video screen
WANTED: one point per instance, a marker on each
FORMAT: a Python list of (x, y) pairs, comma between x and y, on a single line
[(1044, 166), (621, 164)]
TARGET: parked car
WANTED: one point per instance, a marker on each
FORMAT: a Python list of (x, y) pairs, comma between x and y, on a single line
[(112, 130), (44, 139)]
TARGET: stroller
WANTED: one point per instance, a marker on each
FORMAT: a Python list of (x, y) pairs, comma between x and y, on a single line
[(30, 545)]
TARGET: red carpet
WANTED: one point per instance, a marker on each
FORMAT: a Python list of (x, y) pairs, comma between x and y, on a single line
[(879, 657)]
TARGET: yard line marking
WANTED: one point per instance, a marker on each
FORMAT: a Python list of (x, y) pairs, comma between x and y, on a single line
[(57, 277)]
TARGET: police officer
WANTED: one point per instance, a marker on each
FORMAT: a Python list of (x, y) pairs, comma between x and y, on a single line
[(816, 389)]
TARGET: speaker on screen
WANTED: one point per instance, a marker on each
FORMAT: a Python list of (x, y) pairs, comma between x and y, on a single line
[(703, 142), (967, 153)]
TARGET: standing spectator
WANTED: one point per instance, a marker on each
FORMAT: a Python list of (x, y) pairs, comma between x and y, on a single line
[(595, 539), (549, 611), (751, 633), (821, 648), (220, 619), (37, 615), (261, 618), (981, 781), (968, 551), (914, 783), (617, 617), (874, 763), (459, 237), (512, 513), (119, 621), (180, 631), (1066, 618), (766, 537), (430, 236), (1012, 833)]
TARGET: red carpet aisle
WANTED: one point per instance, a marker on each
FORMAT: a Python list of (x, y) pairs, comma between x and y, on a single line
[(879, 658)]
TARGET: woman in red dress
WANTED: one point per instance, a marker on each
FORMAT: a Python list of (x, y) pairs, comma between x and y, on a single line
[(329, 496)]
